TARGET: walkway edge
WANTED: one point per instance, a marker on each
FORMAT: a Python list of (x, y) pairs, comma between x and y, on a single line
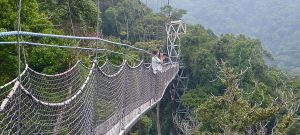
[(136, 118)]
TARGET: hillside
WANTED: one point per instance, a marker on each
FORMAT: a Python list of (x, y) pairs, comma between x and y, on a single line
[(275, 22)]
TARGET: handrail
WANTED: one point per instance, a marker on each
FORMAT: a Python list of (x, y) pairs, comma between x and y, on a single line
[(60, 46), (32, 34)]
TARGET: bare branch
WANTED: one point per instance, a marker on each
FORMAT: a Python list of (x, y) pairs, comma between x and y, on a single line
[(186, 126), (275, 125)]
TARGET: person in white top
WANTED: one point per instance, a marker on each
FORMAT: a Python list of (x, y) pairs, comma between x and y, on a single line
[(157, 61)]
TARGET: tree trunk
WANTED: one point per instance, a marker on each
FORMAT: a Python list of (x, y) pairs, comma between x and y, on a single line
[(157, 119)]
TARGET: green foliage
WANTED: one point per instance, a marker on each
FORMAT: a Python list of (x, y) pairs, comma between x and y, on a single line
[(220, 99), (9, 12), (143, 24), (150, 45), (143, 126), (30, 17), (197, 54), (216, 102), (173, 13), (294, 130), (43, 17), (31, 20), (116, 16), (284, 125), (196, 96), (8, 64), (230, 111), (48, 60), (83, 15)]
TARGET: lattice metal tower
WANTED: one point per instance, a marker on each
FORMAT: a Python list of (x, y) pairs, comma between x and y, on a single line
[(174, 30)]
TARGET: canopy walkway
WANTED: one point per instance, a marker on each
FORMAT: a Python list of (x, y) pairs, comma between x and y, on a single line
[(101, 99), (97, 100)]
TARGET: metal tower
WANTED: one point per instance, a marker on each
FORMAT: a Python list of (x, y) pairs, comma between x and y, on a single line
[(174, 30)]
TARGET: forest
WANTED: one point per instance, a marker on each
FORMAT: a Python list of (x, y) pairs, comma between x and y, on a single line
[(231, 88), (274, 22)]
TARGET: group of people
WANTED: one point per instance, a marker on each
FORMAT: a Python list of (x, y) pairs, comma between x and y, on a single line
[(157, 61)]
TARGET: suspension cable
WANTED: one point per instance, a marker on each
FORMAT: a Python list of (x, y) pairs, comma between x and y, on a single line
[(67, 47), (19, 61), (70, 16), (98, 15), (56, 46), (18, 38), (23, 33)]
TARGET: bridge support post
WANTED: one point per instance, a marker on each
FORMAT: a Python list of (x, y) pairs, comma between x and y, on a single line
[(158, 118), (174, 30)]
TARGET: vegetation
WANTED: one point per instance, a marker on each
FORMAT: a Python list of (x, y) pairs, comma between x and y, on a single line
[(275, 22), (32, 20), (231, 88)]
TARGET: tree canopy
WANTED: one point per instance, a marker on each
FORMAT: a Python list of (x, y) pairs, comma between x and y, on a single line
[(231, 89)]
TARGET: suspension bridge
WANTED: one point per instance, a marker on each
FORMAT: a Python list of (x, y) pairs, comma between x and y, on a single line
[(103, 99)]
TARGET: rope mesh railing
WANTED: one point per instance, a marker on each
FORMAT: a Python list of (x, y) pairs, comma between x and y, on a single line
[(97, 100)]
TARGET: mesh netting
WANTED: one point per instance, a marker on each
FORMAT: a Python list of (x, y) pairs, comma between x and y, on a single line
[(97, 100)]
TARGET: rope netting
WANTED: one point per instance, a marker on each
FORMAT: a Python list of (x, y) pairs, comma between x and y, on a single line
[(82, 100)]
